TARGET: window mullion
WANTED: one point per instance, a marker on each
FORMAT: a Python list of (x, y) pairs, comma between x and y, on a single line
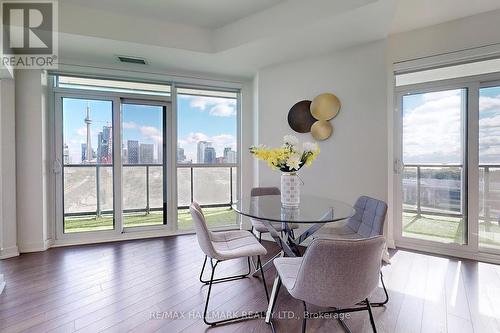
[(473, 166)]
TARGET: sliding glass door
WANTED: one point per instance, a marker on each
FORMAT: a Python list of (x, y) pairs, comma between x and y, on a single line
[(489, 167), (144, 161), (433, 175), (87, 164), (113, 154)]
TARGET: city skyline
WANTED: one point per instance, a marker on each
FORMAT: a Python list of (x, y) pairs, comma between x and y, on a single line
[(200, 118)]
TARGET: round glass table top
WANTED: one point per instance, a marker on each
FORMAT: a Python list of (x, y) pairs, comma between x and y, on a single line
[(311, 209)]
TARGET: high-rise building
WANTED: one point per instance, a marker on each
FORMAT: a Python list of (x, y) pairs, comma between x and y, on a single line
[(201, 151), (229, 155), (159, 153), (124, 154), (209, 155), (88, 154), (66, 159), (146, 153), (181, 157), (84, 152), (105, 145), (133, 151)]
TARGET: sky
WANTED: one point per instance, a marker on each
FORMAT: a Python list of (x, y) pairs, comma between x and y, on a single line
[(432, 126), (200, 118)]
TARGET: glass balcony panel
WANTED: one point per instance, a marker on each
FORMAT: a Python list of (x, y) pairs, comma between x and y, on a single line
[(183, 187), (211, 185), (155, 187), (134, 187), (106, 188), (79, 190)]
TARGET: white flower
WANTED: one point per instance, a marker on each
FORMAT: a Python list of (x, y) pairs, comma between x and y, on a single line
[(309, 146), (290, 140), (293, 162)]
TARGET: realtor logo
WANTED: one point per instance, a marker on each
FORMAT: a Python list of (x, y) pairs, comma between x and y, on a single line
[(29, 37)]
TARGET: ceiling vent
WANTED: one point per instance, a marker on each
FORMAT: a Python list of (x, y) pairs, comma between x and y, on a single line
[(132, 60)]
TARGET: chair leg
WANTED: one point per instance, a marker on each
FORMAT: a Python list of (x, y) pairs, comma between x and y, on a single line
[(224, 279), (379, 304), (260, 237), (224, 321), (304, 318), (372, 321), (272, 300), (259, 264)]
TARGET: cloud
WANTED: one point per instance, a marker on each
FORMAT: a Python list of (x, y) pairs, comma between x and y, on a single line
[(216, 106), (82, 131), (151, 133), (223, 110), (432, 129), (129, 125)]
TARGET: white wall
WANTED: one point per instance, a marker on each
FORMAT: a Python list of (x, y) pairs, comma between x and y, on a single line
[(8, 232), (31, 160), (353, 161)]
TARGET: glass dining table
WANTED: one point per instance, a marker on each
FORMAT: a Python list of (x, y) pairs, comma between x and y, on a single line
[(313, 212)]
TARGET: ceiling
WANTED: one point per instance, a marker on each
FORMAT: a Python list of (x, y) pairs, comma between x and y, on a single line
[(238, 37), (209, 14)]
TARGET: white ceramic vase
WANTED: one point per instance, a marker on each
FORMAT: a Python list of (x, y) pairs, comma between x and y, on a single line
[(290, 189)]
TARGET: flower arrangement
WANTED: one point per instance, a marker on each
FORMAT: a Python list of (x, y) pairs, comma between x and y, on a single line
[(287, 158)]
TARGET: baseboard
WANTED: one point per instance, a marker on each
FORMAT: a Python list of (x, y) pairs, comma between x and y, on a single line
[(9, 252), (34, 247), (456, 253)]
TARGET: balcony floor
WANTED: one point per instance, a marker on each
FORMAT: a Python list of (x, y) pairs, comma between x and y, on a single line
[(216, 217), (446, 229)]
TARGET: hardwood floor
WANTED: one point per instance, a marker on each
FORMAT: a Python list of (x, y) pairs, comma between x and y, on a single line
[(152, 286)]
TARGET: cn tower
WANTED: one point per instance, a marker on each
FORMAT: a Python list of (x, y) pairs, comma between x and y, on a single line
[(88, 121)]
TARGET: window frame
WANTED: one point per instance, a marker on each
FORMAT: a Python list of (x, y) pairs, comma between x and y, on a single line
[(120, 231), (473, 84)]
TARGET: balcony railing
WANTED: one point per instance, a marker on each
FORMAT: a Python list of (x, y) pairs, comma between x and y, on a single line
[(88, 188), (437, 190)]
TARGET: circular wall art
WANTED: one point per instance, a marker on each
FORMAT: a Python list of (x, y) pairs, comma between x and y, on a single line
[(321, 130), (306, 116), (300, 118), (325, 106)]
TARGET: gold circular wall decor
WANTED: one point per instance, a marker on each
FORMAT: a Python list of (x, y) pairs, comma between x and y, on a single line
[(325, 106), (321, 130)]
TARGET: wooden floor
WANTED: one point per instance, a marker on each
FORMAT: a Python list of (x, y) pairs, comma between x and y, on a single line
[(152, 286)]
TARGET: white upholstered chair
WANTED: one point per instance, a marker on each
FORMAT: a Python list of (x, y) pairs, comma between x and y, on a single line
[(221, 246)]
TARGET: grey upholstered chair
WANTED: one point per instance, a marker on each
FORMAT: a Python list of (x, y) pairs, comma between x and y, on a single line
[(258, 225), (221, 246), (335, 273), (368, 221)]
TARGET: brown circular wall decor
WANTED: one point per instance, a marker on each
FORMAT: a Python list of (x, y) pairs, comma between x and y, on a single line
[(300, 118), (325, 106), (321, 130)]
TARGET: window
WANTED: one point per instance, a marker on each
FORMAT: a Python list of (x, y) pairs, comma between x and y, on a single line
[(120, 161), (449, 139), (113, 86), (206, 154), (433, 152), (489, 167)]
